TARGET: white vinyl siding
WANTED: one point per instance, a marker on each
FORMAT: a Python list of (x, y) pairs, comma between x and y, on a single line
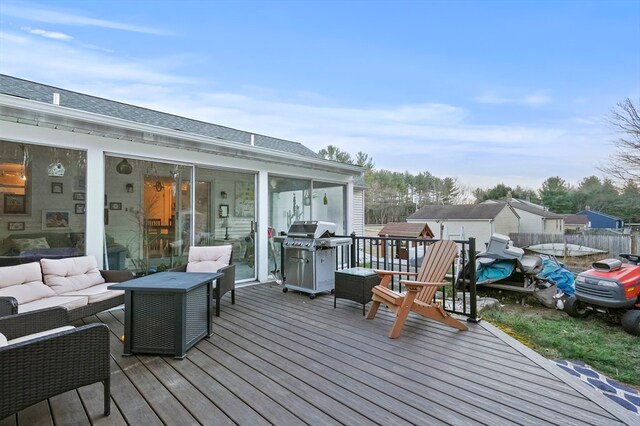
[(358, 212)]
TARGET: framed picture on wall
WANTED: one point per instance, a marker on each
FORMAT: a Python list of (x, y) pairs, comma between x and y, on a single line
[(14, 203), (78, 196), (55, 219), (79, 209), (223, 211), (16, 226), (79, 183), (115, 206), (56, 187)]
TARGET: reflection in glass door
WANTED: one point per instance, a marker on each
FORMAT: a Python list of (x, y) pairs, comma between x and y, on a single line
[(225, 214), (147, 211)]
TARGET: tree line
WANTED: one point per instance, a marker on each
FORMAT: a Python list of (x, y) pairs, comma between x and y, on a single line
[(393, 196)]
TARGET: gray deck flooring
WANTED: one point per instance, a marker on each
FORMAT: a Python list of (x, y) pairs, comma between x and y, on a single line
[(283, 359)]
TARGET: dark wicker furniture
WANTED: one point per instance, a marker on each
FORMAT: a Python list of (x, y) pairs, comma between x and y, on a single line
[(355, 284), (225, 284), (43, 367), (166, 313)]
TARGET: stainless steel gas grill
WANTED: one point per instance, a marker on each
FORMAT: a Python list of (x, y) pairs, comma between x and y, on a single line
[(310, 256)]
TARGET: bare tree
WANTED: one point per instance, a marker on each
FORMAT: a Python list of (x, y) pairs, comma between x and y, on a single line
[(624, 163)]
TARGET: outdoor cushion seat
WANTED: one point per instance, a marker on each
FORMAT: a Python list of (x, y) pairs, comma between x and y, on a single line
[(5, 342), (213, 259), (67, 302), (75, 284), (41, 357), (96, 293)]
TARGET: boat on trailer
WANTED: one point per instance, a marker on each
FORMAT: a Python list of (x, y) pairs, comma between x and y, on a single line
[(564, 249)]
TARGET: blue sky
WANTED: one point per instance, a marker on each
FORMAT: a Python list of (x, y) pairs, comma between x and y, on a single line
[(486, 92)]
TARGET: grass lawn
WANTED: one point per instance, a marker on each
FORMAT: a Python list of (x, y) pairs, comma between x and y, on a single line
[(555, 335)]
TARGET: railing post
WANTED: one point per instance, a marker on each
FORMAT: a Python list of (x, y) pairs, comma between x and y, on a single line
[(473, 317), (352, 260)]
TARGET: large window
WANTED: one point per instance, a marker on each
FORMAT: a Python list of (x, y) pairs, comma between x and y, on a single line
[(42, 202), (299, 199)]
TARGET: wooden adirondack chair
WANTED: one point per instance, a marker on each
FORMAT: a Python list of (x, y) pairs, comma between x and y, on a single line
[(419, 297)]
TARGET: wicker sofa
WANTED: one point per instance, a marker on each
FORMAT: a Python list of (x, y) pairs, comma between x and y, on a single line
[(50, 359), (74, 283)]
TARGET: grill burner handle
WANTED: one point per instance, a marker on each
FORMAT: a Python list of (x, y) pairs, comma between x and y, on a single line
[(300, 259)]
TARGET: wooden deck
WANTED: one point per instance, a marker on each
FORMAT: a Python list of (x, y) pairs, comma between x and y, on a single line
[(283, 359)]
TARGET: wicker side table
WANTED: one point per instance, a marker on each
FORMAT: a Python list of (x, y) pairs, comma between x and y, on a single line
[(355, 284)]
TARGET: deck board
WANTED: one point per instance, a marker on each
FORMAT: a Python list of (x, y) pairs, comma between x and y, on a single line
[(282, 359)]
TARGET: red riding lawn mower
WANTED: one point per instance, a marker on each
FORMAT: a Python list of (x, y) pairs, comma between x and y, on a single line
[(610, 287)]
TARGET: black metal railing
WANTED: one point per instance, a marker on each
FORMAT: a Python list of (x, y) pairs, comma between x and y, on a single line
[(406, 254)]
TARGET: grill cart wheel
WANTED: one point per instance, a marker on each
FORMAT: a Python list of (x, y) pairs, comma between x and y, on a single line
[(284, 289), (575, 308), (631, 322)]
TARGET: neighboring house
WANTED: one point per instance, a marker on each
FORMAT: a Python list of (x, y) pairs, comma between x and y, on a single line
[(575, 223), (534, 219), (479, 221), (153, 184), (602, 220)]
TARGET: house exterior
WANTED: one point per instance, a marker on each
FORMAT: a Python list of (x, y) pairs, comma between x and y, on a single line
[(477, 221), (575, 223), (535, 219), (136, 187), (602, 220)]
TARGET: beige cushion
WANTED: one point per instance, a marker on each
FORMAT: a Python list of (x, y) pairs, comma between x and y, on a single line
[(20, 274), (23, 244), (66, 302), (24, 282), (36, 335), (208, 258), (28, 292), (71, 274), (96, 293)]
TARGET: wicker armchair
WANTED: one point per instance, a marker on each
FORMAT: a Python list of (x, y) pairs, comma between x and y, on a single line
[(213, 259), (42, 367)]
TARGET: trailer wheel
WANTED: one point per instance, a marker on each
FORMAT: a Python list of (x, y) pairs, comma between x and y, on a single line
[(631, 322), (575, 308)]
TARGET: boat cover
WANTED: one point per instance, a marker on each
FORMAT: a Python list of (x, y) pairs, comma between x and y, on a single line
[(496, 270), (556, 273)]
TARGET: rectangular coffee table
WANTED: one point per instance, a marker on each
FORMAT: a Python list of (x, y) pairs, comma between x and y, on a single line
[(355, 284), (166, 313)]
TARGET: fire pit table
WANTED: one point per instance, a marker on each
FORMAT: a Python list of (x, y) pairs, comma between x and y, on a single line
[(166, 313)]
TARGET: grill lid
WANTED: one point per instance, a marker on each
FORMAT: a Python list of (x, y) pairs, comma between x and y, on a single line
[(311, 229)]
